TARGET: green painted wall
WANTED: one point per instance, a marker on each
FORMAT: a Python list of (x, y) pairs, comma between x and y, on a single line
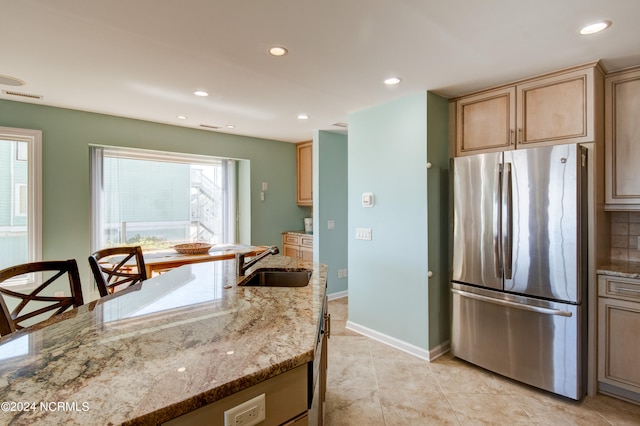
[(438, 218), (330, 203), (65, 166), (389, 291)]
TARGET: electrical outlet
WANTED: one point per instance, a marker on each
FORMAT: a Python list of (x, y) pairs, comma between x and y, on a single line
[(340, 274), (58, 294), (331, 224), (248, 413)]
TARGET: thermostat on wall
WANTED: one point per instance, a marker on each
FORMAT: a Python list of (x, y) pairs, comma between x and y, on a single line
[(367, 199)]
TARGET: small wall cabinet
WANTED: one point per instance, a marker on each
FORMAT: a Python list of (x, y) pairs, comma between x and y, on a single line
[(553, 109), (622, 140), (618, 342), (486, 122), (297, 245), (304, 173)]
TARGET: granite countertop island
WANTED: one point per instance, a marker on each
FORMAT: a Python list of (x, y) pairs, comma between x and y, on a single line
[(620, 269), (162, 348)]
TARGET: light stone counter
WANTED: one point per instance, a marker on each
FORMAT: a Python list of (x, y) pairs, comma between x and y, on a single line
[(177, 342), (297, 232), (620, 269)]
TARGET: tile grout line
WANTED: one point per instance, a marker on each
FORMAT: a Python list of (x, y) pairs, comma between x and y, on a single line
[(375, 377), (444, 394)]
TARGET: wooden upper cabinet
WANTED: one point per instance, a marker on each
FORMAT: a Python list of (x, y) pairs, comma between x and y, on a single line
[(304, 171), (622, 140), (557, 109), (486, 122), (553, 109)]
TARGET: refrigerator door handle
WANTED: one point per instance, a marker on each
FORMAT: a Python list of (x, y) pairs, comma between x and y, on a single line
[(508, 221), (497, 213), (508, 304)]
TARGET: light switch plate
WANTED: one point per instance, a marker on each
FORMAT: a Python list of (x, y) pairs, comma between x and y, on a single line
[(363, 234), (331, 224)]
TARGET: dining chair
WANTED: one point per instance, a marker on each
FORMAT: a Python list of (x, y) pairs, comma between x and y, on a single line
[(44, 299), (5, 319), (114, 268)]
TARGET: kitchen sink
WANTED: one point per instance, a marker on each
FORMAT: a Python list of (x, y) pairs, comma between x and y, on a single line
[(278, 278)]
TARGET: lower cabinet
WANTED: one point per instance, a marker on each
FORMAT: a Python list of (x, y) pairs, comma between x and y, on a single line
[(318, 372), (302, 420), (297, 245), (618, 337)]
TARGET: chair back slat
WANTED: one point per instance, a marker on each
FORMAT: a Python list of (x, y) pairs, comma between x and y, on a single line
[(16, 319), (117, 268), (6, 325)]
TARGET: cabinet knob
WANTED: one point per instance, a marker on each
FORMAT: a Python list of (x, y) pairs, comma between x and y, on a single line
[(429, 274), (428, 164)]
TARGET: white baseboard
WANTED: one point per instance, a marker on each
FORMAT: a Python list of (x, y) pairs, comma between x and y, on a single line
[(399, 344), (338, 295), (439, 350)]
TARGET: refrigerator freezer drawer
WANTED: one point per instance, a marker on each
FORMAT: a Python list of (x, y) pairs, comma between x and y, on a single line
[(535, 343)]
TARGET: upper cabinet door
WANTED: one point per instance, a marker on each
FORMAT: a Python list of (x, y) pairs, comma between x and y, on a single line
[(556, 110), (304, 169), (622, 140), (553, 109), (486, 122)]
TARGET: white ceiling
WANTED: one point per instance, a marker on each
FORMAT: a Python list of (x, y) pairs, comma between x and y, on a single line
[(144, 58)]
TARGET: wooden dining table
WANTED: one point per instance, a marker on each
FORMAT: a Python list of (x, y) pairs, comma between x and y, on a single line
[(162, 260)]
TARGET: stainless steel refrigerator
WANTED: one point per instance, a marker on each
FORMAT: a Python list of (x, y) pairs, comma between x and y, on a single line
[(519, 265)]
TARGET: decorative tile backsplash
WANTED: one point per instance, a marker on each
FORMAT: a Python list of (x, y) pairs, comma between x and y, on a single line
[(625, 230)]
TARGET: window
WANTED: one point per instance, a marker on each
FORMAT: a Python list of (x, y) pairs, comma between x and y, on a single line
[(22, 200), (20, 196), (157, 199)]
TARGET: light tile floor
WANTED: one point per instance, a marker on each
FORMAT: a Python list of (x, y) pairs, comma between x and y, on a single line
[(370, 383)]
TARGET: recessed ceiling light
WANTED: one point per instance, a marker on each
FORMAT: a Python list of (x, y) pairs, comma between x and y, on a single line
[(278, 51), (230, 126), (10, 81), (596, 27), (303, 116), (182, 117), (391, 81), (201, 93)]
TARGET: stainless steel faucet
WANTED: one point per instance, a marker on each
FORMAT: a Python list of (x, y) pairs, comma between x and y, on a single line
[(242, 267)]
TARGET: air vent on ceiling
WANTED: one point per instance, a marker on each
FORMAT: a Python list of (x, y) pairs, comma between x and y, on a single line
[(206, 126), (24, 95), (339, 124)]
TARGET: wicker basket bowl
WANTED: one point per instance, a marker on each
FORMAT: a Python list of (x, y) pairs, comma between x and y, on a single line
[(193, 248)]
